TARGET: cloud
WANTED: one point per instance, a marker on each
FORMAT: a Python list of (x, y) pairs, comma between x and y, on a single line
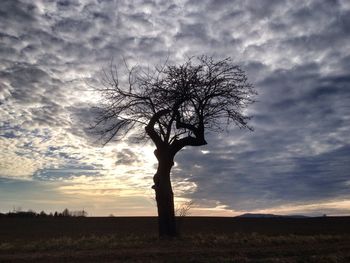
[(126, 157), (295, 53), (297, 153)]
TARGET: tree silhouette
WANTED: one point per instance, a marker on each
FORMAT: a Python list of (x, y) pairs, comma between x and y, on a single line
[(173, 105)]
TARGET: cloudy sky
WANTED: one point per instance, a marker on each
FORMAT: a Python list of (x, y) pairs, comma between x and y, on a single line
[(296, 53)]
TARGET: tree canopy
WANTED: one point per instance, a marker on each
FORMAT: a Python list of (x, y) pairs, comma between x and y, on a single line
[(175, 104)]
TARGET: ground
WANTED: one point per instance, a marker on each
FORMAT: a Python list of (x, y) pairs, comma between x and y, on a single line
[(202, 239)]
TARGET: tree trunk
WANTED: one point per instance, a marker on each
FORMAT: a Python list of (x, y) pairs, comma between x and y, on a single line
[(165, 196)]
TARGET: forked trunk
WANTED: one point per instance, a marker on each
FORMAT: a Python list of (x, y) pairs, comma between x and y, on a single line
[(165, 197)]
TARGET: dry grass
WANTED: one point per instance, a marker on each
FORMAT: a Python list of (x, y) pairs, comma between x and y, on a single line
[(211, 245)]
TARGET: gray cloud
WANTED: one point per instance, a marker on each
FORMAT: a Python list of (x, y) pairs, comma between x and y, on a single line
[(298, 152), (296, 53), (126, 157)]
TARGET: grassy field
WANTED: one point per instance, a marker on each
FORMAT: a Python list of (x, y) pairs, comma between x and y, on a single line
[(202, 240)]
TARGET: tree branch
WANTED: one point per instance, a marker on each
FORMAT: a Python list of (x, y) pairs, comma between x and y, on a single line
[(150, 127), (177, 145)]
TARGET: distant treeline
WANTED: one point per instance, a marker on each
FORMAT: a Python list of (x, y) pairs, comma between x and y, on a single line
[(31, 213)]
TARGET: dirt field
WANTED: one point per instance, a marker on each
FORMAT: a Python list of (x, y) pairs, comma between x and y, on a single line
[(202, 240)]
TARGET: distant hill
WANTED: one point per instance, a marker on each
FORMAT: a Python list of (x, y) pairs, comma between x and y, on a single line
[(250, 215)]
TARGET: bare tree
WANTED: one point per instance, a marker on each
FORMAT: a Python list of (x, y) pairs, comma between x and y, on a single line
[(173, 105), (184, 209)]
